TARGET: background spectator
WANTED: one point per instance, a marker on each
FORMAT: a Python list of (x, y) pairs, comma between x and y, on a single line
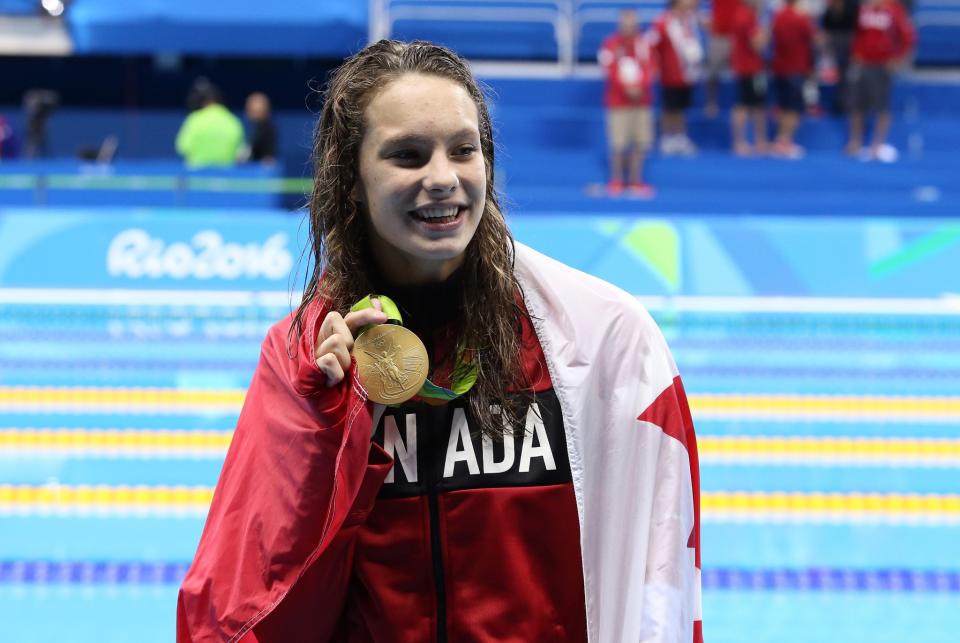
[(882, 43), (263, 133), (839, 21), (38, 105), (628, 67), (719, 47), (210, 136), (793, 37), (675, 38), (749, 42)]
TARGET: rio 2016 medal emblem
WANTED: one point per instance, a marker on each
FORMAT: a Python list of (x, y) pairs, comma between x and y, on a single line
[(391, 362)]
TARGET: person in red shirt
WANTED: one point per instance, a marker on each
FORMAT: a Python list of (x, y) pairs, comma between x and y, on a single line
[(749, 42), (719, 47), (628, 68), (793, 39), (675, 38), (498, 499), (881, 44)]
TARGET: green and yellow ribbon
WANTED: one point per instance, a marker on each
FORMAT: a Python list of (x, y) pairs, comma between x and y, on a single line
[(464, 374)]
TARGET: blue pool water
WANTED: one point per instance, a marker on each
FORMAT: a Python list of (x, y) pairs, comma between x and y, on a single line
[(111, 574)]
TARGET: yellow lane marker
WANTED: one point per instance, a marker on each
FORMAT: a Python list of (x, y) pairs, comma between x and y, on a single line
[(32, 395), (96, 499), (831, 450), (808, 450), (704, 406), (135, 442), (716, 506), (830, 507), (825, 406)]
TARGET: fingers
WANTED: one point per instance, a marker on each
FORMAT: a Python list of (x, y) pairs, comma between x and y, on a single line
[(330, 366), (356, 321), (333, 324), (337, 346), (335, 340)]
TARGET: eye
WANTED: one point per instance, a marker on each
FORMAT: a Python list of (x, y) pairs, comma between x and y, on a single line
[(405, 156), (465, 151)]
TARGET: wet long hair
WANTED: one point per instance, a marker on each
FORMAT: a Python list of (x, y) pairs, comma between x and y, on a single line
[(490, 317)]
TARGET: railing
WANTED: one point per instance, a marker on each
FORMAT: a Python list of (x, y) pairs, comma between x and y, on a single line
[(43, 183)]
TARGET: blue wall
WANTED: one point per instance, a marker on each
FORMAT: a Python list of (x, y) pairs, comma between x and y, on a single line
[(716, 256)]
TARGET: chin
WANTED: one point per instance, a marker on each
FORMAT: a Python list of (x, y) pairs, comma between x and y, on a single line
[(443, 253)]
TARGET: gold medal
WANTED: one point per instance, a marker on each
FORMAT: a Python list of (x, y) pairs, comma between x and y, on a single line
[(392, 363)]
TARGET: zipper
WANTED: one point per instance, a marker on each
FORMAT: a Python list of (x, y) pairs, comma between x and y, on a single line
[(437, 555), (434, 456)]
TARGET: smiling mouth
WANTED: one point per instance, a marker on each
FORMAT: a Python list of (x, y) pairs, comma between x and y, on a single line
[(447, 214)]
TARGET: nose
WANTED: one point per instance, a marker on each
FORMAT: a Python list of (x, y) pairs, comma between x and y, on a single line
[(440, 175)]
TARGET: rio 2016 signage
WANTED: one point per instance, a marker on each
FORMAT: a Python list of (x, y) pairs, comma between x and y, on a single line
[(202, 250), (136, 254), (263, 250)]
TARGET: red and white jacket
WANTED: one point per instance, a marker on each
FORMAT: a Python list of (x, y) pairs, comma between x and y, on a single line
[(629, 68), (320, 529), (884, 33), (676, 38)]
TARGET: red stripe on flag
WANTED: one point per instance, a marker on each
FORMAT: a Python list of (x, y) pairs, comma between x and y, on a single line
[(671, 412)]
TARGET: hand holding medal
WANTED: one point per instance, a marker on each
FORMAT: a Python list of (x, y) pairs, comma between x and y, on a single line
[(335, 340), (392, 362)]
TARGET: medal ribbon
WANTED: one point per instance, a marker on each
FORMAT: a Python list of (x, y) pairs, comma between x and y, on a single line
[(464, 374)]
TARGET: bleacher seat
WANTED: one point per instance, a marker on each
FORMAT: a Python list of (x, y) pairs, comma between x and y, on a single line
[(239, 27), (484, 29), (19, 7), (938, 32)]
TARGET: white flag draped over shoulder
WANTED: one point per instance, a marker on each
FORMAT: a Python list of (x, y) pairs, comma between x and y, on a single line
[(632, 453)]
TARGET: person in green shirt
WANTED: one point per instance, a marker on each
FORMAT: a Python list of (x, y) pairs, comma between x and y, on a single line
[(211, 136)]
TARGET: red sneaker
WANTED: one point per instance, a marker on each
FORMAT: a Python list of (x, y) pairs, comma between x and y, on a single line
[(615, 188), (642, 190)]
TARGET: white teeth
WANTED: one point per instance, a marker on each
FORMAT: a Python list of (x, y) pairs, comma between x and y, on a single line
[(437, 213)]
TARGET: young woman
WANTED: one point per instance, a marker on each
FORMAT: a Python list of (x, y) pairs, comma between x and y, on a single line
[(542, 485)]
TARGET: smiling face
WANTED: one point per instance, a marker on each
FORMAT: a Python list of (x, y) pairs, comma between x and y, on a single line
[(422, 177)]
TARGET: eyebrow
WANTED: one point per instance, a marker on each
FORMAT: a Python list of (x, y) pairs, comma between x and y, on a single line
[(416, 139)]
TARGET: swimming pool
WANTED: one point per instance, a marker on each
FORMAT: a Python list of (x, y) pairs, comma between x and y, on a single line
[(829, 427), (829, 445)]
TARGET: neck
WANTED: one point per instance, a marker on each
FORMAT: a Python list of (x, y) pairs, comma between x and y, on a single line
[(403, 272), (426, 306)]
